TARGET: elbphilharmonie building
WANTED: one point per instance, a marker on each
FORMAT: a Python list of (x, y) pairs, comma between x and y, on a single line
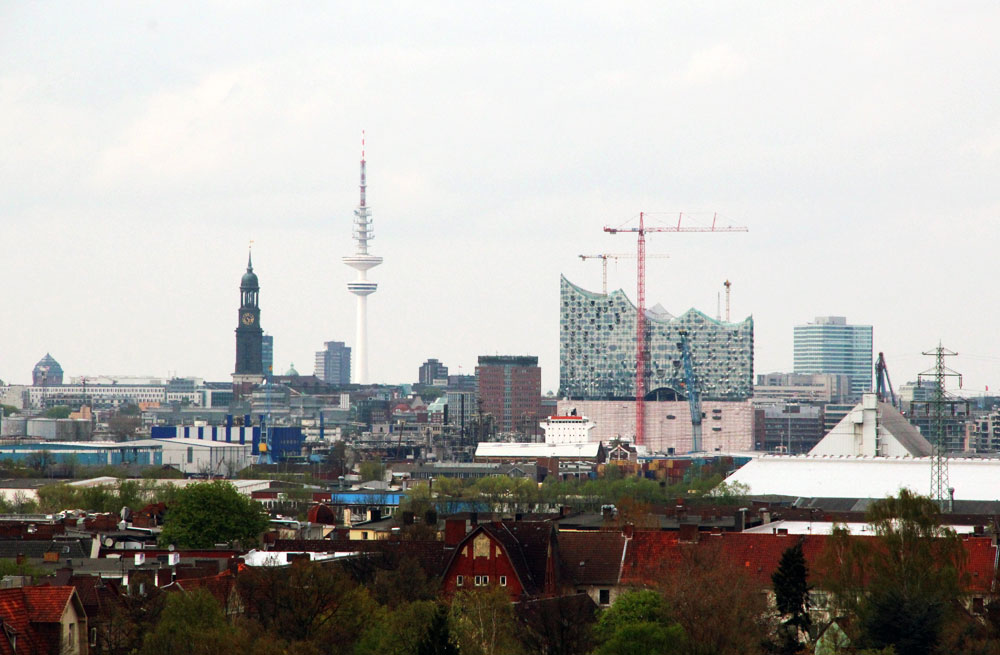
[(597, 336)]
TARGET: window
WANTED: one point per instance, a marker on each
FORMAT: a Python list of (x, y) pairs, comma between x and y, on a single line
[(605, 596), (479, 580), (190, 454), (486, 580), (503, 581), (93, 636), (460, 580)]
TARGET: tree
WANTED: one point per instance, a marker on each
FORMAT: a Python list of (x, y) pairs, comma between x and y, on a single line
[(483, 622), (205, 514), (9, 410), (904, 585), (791, 594), (59, 411), (123, 427), (438, 640), (307, 602), (410, 629), (638, 623), (717, 603), (371, 469), (191, 623), (557, 626)]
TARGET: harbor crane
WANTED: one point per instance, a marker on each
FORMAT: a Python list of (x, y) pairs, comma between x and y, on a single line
[(641, 354), (604, 257)]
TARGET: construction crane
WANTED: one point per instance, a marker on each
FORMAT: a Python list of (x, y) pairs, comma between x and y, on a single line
[(604, 257), (693, 394), (882, 382), (640, 321)]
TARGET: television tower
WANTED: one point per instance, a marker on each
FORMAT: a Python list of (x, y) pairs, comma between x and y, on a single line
[(361, 287)]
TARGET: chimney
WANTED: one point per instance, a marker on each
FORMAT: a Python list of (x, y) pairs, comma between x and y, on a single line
[(454, 531), (473, 519), (688, 532), (628, 531)]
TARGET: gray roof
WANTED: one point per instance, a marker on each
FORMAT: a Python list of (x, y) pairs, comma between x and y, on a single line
[(904, 432)]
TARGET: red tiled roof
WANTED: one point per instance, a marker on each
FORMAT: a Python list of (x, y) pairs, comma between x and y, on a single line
[(21, 607), (591, 557), (759, 554), (47, 604)]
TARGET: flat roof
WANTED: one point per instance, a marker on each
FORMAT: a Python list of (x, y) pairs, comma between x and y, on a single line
[(845, 476)]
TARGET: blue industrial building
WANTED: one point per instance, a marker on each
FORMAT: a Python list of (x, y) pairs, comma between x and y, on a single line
[(284, 441), (85, 453)]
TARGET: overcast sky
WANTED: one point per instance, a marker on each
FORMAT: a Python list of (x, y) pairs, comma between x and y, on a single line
[(145, 144)]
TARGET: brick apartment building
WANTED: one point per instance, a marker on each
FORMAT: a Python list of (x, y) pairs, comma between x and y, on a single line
[(510, 389)]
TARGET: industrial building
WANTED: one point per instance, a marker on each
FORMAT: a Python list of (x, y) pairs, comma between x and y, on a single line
[(830, 345), (727, 426), (597, 350), (201, 456)]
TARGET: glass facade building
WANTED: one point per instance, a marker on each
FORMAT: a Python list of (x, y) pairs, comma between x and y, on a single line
[(830, 345), (597, 350)]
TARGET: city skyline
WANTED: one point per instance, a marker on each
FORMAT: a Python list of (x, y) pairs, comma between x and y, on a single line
[(145, 147)]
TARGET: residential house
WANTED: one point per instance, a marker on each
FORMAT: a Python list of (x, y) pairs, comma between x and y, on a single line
[(42, 620)]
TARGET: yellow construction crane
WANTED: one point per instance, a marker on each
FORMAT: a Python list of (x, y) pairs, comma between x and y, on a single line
[(604, 257)]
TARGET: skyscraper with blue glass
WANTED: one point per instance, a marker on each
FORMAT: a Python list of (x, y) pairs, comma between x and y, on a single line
[(830, 345)]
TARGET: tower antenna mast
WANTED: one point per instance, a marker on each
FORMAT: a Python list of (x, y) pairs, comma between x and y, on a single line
[(361, 261), (641, 353)]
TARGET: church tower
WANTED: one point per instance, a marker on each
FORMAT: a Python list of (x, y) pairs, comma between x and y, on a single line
[(249, 336)]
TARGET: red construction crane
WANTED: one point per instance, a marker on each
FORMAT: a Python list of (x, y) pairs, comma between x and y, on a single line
[(640, 321)]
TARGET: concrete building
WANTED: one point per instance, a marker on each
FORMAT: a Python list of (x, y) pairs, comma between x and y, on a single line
[(830, 345), (726, 426), (597, 350), (461, 408), (267, 354), (789, 428), (433, 372), (803, 387), (333, 363), (510, 389)]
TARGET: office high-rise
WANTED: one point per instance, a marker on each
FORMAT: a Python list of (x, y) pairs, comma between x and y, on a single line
[(333, 364), (830, 345), (510, 389)]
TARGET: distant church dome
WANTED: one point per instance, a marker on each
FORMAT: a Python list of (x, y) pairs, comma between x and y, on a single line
[(47, 372), (249, 279), (291, 370)]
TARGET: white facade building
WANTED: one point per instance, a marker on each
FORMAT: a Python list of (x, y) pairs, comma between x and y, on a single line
[(567, 429), (201, 456)]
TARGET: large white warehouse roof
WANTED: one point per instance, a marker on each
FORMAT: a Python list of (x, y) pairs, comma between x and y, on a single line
[(864, 477)]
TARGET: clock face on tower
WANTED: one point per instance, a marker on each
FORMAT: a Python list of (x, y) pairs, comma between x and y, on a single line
[(247, 318)]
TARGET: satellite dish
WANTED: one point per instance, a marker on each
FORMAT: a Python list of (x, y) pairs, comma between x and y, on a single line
[(109, 542)]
